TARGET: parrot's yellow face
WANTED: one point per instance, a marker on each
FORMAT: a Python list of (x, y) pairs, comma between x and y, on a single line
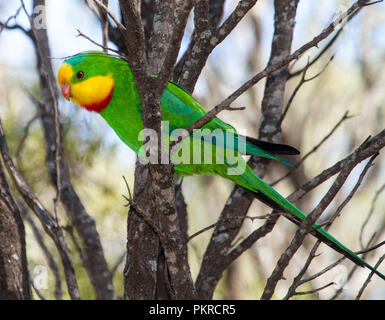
[(83, 86)]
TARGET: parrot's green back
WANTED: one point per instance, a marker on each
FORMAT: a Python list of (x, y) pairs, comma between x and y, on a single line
[(180, 110)]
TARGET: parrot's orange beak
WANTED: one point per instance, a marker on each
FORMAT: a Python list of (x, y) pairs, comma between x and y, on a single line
[(64, 76), (66, 90)]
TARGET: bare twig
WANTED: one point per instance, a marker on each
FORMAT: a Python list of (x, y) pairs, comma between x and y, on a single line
[(346, 116), (103, 46), (372, 207), (6, 25), (382, 258), (329, 44), (299, 85), (142, 213), (298, 293), (108, 12), (24, 137), (104, 19), (331, 266), (206, 37), (223, 222)]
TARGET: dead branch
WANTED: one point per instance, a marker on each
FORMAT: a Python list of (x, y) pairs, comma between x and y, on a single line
[(372, 207), (346, 116), (364, 286)]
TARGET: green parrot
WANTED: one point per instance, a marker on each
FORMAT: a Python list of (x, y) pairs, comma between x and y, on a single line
[(104, 84)]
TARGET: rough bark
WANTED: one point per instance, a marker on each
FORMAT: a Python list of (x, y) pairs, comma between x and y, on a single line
[(154, 218), (14, 277)]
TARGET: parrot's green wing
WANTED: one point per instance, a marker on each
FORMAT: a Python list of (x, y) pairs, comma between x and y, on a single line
[(182, 110)]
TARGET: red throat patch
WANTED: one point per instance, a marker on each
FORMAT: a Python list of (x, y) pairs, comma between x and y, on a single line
[(100, 105)]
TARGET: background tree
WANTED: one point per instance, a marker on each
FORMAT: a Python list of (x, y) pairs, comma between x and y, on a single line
[(183, 239)]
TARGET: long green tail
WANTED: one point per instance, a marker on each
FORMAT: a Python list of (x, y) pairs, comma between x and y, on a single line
[(268, 195)]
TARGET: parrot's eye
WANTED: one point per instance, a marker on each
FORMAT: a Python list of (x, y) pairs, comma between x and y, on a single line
[(79, 75)]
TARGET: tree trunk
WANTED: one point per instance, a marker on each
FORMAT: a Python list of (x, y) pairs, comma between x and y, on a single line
[(14, 277)]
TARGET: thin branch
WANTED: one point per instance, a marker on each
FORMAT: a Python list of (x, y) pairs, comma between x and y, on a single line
[(299, 85), (108, 12), (103, 46), (70, 230), (368, 148), (331, 266), (346, 116), (372, 207), (382, 258), (52, 93), (131, 203), (234, 18), (298, 293), (24, 138), (6, 25), (104, 20), (223, 222), (134, 34), (205, 38)]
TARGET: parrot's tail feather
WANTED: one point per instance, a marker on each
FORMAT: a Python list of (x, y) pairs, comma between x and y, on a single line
[(265, 149), (274, 148), (272, 198), (269, 202), (324, 237)]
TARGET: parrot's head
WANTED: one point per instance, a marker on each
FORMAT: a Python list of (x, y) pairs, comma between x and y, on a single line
[(87, 80)]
